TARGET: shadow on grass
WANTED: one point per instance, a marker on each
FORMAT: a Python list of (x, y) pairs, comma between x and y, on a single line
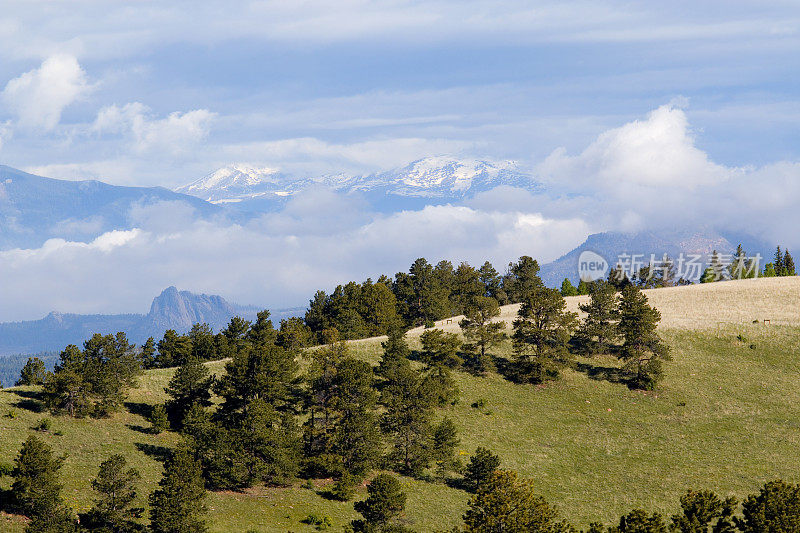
[(604, 373), (140, 429), (160, 453), (139, 408), (30, 400)]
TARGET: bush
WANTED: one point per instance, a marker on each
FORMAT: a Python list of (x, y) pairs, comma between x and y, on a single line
[(43, 425), (158, 419), (320, 522)]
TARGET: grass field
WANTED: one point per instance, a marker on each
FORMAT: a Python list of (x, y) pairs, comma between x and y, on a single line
[(726, 418)]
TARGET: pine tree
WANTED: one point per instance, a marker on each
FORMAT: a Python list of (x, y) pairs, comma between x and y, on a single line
[(262, 370), (541, 333), (65, 389), (395, 353), (191, 384), (33, 373), (480, 469), (173, 349), (522, 279), (466, 287), (568, 289), (597, 332), (480, 332), (642, 348), (508, 503), (776, 508), (703, 511), (177, 506), (409, 405), (788, 265), (293, 335), (356, 439), (116, 489), (111, 368), (778, 262), (440, 354), (159, 421), (638, 521), (36, 487), (148, 353), (385, 502), (445, 442), (492, 283), (270, 443)]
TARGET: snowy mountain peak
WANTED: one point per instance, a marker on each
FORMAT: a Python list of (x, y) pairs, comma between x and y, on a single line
[(440, 178), (236, 179)]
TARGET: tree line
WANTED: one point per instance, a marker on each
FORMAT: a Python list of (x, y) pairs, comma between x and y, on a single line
[(501, 500)]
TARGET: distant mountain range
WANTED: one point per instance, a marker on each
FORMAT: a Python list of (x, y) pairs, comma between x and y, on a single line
[(172, 309), (426, 181), (611, 245), (34, 209)]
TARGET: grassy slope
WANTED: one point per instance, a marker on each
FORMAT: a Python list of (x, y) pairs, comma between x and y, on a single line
[(727, 418)]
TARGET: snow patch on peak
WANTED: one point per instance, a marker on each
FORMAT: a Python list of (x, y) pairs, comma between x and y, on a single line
[(233, 179)]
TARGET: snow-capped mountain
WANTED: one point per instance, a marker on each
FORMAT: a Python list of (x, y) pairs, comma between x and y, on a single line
[(236, 182), (434, 179)]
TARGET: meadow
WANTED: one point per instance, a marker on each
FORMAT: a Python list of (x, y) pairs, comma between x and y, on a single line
[(725, 418)]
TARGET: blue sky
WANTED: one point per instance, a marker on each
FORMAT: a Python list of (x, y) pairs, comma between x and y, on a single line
[(304, 85), (633, 115)]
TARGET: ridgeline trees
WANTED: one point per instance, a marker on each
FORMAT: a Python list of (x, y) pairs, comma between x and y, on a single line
[(642, 348), (480, 332), (33, 373), (95, 380), (597, 333), (542, 331)]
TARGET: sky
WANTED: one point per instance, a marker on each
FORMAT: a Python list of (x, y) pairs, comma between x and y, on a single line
[(633, 113)]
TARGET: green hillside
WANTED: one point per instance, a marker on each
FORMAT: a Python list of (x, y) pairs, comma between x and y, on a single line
[(725, 418)]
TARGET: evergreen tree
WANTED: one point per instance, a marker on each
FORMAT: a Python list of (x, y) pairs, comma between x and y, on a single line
[(202, 342), (294, 335), (409, 404), (385, 502), (638, 521), (190, 384), (58, 520), (261, 370), (703, 512), (440, 354), (568, 289), (597, 332), (480, 469), (642, 348), (159, 421), (173, 349), (492, 283), (395, 353), (778, 261), (741, 267), (357, 438), (36, 487), (467, 286), (177, 506), (269, 442), (33, 373), (788, 265), (776, 508), (522, 279), (541, 333), (110, 370), (508, 503), (148, 353), (116, 489), (445, 441), (65, 389), (480, 332)]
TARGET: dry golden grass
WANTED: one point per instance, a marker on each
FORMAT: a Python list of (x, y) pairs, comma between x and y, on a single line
[(701, 306)]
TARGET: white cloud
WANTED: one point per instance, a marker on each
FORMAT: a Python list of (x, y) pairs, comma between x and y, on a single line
[(38, 97), (176, 133), (278, 259)]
